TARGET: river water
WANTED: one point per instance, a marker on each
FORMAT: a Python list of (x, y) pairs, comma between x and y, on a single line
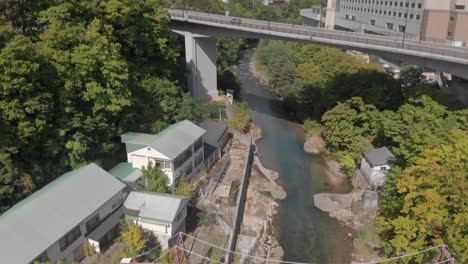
[(306, 233)]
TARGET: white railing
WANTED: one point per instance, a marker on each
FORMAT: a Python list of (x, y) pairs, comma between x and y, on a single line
[(352, 37)]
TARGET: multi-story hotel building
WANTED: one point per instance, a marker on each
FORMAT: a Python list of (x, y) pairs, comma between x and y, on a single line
[(425, 20)]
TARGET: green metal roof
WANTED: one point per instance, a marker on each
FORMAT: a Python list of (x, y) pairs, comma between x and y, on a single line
[(171, 142), (124, 170), (34, 224)]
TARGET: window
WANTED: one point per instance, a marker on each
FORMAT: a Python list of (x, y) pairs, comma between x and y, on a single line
[(399, 14), (449, 34), (413, 5), (182, 158), (389, 25), (419, 6), (198, 160), (452, 19), (411, 16), (372, 22), (407, 4), (418, 17), (394, 13), (69, 238), (401, 4), (383, 168), (460, 7), (92, 223), (401, 28), (167, 165)]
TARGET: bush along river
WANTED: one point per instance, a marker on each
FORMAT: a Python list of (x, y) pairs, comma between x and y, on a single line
[(305, 233)]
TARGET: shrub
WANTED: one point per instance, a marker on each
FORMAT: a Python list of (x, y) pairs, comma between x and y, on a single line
[(184, 188), (241, 119), (311, 127), (346, 161)]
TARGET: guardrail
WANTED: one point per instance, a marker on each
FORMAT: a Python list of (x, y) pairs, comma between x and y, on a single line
[(300, 30)]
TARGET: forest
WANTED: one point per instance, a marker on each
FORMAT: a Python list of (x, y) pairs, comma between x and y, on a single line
[(76, 74)]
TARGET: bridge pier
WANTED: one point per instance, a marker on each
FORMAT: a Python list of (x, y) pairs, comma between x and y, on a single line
[(200, 56)]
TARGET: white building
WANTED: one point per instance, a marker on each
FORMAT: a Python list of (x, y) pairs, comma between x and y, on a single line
[(79, 208), (375, 165), (163, 214), (177, 150)]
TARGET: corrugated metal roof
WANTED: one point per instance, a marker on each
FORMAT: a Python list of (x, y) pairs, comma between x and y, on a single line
[(379, 157), (171, 142), (157, 206), (38, 221), (125, 172), (214, 131)]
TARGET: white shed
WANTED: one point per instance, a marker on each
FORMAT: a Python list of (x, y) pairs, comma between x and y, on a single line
[(375, 165)]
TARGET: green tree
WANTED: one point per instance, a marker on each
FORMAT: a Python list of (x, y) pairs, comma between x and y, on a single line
[(411, 76), (153, 179), (434, 190), (349, 127), (134, 237)]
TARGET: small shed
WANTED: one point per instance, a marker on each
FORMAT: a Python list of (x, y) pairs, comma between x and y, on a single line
[(375, 164)]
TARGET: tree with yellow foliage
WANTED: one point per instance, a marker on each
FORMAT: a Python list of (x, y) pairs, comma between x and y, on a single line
[(134, 237), (435, 202)]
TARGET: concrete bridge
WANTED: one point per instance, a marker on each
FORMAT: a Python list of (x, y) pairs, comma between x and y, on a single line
[(202, 29)]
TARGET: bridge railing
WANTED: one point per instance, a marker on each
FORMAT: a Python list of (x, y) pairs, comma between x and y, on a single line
[(300, 30)]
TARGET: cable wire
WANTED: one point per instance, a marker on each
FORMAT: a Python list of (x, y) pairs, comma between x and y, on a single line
[(196, 254), (403, 256), (245, 255)]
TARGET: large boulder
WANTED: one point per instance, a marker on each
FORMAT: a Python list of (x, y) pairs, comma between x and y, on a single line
[(314, 144)]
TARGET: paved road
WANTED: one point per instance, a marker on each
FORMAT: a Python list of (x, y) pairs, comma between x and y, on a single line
[(351, 39)]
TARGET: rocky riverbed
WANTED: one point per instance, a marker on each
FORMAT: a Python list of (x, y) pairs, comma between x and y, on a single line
[(261, 206)]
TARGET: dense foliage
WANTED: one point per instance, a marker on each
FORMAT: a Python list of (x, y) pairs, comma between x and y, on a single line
[(241, 119), (310, 78), (153, 179), (76, 74)]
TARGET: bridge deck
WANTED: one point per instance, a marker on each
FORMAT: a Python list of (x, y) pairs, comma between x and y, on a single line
[(359, 40)]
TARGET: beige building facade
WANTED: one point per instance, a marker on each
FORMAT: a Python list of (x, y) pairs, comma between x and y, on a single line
[(443, 21)]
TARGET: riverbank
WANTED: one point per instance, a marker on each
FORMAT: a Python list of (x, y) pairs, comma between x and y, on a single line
[(350, 208), (256, 72)]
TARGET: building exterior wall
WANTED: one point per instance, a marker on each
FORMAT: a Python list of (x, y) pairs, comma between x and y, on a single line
[(445, 25), (164, 231), (54, 252), (375, 175), (427, 20), (141, 158)]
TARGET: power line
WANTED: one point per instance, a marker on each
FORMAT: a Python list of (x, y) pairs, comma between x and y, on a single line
[(245, 255), (293, 262), (404, 256), (158, 246), (198, 255)]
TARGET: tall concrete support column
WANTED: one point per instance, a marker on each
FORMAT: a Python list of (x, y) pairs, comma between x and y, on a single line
[(200, 55)]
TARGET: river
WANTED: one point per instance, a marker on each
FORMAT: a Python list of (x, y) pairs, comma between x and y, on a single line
[(306, 233)]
